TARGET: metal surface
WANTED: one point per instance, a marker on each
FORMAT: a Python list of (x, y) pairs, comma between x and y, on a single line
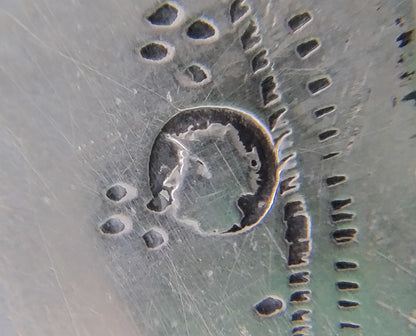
[(87, 87)]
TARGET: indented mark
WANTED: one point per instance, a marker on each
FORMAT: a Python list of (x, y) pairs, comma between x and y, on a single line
[(298, 229), (268, 91), (305, 49), (201, 30), (116, 225), (340, 203), (156, 52), (330, 155), (116, 193), (194, 75), (300, 20), (300, 316), (155, 238), (291, 208), (344, 236), (324, 111), (326, 135), (299, 278), (299, 253), (238, 10), (348, 304), (347, 286), (260, 61), (335, 180), (348, 325), (270, 306), (165, 15), (317, 86), (300, 297), (275, 118), (346, 266), (405, 38), (250, 38), (410, 96), (342, 217)]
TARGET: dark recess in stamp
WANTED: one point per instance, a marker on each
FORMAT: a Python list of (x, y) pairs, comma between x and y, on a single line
[(112, 226), (405, 38), (250, 38), (275, 117), (154, 51), (346, 266), (344, 236), (300, 316), (410, 96), (407, 75), (238, 9), (269, 306), (153, 239), (286, 185), (335, 180), (330, 155), (348, 304), (268, 90), (116, 193), (165, 15), (300, 331), (347, 325), (298, 253), (305, 48), (196, 73), (342, 217), (291, 208), (300, 296), (340, 203), (298, 21), (297, 229), (347, 285), (324, 111), (299, 278), (260, 61), (328, 134), (200, 30), (319, 85)]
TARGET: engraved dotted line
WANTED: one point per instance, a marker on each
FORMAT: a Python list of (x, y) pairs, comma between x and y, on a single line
[(342, 235)]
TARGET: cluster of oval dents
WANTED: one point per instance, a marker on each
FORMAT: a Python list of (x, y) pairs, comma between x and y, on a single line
[(168, 157), (119, 224)]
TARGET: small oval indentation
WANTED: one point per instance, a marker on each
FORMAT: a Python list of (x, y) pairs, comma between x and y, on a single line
[(155, 238), (329, 134), (324, 111), (335, 180), (270, 306), (238, 10), (202, 30), (346, 266), (165, 15), (157, 52), (116, 225)]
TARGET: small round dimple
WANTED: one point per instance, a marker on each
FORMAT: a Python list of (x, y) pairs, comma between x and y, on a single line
[(157, 52), (154, 239), (116, 193), (270, 306), (201, 30), (112, 226)]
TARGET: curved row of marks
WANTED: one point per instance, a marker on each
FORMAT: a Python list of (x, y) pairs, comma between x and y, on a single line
[(344, 233)]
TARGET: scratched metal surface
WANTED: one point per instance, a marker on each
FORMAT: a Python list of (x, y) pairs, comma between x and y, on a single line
[(81, 105)]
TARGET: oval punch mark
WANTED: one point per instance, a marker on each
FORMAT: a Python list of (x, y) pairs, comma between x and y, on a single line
[(299, 21), (157, 52), (165, 15), (202, 31)]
